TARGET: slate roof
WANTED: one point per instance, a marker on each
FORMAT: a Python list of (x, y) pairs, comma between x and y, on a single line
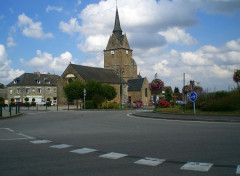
[(101, 75), (34, 79), (135, 84), (117, 28)]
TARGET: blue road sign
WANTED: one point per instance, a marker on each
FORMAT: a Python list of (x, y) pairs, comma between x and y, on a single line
[(193, 96)]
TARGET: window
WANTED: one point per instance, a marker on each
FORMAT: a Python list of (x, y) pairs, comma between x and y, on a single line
[(38, 82), (55, 90), (70, 80), (27, 90), (15, 82), (112, 52), (11, 91), (49, 90), (146, 93), (18, 91), (39, 90), (126, 51)]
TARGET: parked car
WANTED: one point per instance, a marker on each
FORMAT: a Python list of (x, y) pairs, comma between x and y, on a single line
[(54, 102)]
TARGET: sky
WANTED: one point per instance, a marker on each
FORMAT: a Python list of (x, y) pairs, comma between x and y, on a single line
[(200, 38)]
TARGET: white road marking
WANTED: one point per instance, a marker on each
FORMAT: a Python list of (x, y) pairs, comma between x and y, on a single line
[(195, 166), (150, 161), (83, 151), (44, 141), (9, 129), (24, 135), (61, 146), (238, 169), (113, 155)]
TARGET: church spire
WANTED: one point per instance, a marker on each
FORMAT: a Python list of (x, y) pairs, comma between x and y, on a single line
[(117, 27)]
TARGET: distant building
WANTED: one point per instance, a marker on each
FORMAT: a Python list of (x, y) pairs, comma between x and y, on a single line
[(33, 85)]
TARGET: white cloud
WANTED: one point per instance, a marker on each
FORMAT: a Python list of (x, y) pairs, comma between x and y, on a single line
[(10, 42), (32, 29), (7, 73), (178, 36), (45, 62), (71, 27), (53, 8)]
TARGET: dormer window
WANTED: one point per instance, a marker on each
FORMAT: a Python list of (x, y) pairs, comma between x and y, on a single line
[(38, 82), (47, 81), (14, 82)]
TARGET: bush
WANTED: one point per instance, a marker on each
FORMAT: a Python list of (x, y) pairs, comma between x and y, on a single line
[(163, 104), (225, 103), (97, 100), (26, 99), (89, 104), (48, 99)]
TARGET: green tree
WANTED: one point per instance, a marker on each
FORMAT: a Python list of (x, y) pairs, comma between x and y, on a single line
[(74, 90), (2, 86), (176, 90), (93, 88), (109, 92), (168, 95)]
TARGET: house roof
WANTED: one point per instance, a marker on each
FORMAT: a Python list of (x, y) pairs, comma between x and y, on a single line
[(135, 84), (101, 75), (35, 79)]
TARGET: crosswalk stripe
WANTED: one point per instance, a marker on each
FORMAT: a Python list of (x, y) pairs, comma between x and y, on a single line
[(83, 151), (196, 166), (61, 146), (113, 155), (150, 161), (238, 169), (43, 141)]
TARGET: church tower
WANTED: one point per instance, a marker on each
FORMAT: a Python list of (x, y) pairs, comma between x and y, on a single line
[(118, 54)]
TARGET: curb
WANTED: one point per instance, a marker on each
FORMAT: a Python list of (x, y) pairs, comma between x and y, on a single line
[(12, 116), (186, 119)]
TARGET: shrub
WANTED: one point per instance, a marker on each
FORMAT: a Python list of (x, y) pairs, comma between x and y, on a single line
[(113, 105), (97, 100), (163, 104), (33, 100), (26, 99), (1, 100), (48, 99), (89, 104)]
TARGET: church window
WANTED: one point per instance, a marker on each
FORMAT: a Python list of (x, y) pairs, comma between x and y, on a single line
[(126, 51), (70, 80), (112, 52), (146, 92)]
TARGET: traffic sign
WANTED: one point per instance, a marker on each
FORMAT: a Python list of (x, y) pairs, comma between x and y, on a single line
[(193, 96)]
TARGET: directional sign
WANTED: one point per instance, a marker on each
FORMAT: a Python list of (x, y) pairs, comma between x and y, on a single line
[(193, 96)]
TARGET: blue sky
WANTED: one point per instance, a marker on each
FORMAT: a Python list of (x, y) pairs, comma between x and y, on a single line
[(200, 38)]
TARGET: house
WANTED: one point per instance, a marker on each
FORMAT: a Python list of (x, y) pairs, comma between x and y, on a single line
[(85, 73), (33, 85), (139, 90)]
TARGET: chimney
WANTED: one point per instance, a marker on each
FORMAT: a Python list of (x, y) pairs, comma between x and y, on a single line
[(37, 73)]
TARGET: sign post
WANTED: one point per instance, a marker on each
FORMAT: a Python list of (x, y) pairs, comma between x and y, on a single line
[(85, 93), (193, 97)]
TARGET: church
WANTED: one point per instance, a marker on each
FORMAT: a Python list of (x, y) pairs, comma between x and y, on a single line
[(120, 71)]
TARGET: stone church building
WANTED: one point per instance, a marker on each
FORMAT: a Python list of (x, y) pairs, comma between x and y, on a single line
[(119, 69)]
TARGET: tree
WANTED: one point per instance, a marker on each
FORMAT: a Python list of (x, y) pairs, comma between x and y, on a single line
[(236, 77), (168, 95), (2, 86), (176, 90), (109, 92), (93, 88), (74, 90)]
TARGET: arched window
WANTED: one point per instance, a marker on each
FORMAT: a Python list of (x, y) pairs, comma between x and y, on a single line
[(70, 80)]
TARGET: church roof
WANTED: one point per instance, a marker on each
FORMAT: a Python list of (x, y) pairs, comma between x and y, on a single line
[(135, 84), (101, 75)]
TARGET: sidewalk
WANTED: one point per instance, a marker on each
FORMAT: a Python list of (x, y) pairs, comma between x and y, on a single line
[(189, 117)]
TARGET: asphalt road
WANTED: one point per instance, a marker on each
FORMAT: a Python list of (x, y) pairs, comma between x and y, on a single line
[(46, 143)]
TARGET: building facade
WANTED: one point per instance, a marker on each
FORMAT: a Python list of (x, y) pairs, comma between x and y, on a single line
[(33, 85)]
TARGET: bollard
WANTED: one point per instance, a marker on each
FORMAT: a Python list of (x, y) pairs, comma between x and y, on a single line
[(16, 109), (68, 106), (46, 107), (1, 111), (37, 107), (10, 109), (57, 107)]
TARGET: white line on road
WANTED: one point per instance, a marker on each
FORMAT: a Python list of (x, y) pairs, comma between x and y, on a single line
[(196, 166), (44, 141), (150, 161), (83, 151), (24, 135), (113, 155), (238, 169), (61, 146)]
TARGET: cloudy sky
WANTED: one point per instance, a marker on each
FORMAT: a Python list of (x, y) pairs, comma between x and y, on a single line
[(169, 37)]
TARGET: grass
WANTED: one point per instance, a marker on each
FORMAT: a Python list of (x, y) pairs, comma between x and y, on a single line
[(179, 110)]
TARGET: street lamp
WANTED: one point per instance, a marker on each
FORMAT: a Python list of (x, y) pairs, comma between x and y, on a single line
[(120, 71)]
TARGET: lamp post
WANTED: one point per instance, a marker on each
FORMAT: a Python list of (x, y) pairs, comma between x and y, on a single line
[(121, 72)]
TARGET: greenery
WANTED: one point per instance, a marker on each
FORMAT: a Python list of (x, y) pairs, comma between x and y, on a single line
[(33, 100), (96, 92), (12, 100), (26, 99), (168, 95), (2, 86), (1, 100), (176, 90), (48, 99)]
